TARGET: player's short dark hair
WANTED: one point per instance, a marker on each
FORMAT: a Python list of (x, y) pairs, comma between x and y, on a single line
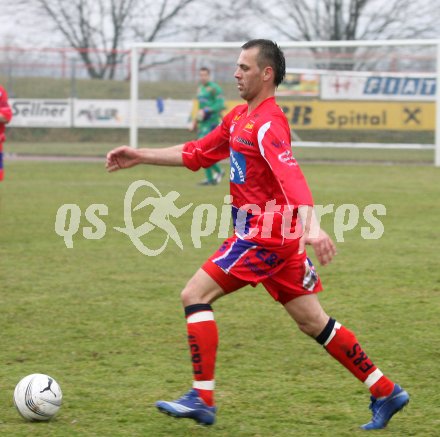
[(269, 54), (205, 69)]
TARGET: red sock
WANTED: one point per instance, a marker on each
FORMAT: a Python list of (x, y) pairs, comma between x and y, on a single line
[(342, 344), (203, 341)]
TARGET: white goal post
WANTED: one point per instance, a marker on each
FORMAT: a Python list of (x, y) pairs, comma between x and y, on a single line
[(138, 48)]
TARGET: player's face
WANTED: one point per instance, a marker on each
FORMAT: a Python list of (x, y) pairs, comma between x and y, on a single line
[(248, 74), (204, 77)]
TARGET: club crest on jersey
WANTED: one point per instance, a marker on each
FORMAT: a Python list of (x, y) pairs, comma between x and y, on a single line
[(286, 157), (249, 127), (238, 167)]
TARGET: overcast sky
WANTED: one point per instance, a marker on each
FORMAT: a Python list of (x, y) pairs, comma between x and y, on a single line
[(24, 30)]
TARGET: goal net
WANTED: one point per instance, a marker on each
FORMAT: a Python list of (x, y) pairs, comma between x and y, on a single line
[(355, 100)]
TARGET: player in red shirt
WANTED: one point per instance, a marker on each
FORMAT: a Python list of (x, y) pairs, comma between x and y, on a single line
[(274, 219), (5, 118)]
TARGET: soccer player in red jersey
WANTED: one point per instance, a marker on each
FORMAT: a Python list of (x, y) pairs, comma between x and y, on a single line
[(5, 118), (273, 216)]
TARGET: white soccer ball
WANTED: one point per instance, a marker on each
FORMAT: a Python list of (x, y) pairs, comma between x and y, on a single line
[(38, 397)]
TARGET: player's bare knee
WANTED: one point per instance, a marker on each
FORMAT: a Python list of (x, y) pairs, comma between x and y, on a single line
[(194, 293), (313, 325), (200, 289), (312, 322), (307, 327), (189, 296)]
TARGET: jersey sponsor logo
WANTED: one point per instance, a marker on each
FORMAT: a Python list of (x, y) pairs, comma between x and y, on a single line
[(269, 258), (263, 262), (238, 167), (278, 144), (253, 267), (249, 127), (286, 157), (244, 141)]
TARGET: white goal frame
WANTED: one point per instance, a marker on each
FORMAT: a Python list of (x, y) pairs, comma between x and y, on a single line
[(134, 77)]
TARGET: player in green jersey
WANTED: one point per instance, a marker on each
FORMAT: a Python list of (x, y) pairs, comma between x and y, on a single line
[(211, 103)]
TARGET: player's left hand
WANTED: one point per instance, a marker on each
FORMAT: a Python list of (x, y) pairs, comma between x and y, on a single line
[(322, 244)]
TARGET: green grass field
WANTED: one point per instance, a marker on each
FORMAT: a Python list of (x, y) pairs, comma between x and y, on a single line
[(106, 322)]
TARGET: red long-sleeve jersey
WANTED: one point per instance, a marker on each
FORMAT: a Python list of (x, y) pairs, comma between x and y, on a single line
[(5, 111), (266, 183)]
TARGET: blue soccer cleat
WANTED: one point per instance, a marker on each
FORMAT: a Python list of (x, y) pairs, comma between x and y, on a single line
[(189, 406), (384, 409)]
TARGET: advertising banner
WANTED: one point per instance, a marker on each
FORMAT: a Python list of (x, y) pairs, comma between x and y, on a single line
[(159, 113), (359, 115), (40, 112), (169, 113), (299, 83), (100, 113), (385, 87), (165, 113)]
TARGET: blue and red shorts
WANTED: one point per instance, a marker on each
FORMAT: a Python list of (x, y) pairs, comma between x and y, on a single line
[(283, 272)]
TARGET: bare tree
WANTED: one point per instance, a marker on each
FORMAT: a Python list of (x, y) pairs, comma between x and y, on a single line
[(343, 20), (220, 20), (311, 20), (164, 13), (99, 29)]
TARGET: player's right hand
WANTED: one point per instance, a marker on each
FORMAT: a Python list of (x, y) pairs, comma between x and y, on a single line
[(322, 244), (122, 157)]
